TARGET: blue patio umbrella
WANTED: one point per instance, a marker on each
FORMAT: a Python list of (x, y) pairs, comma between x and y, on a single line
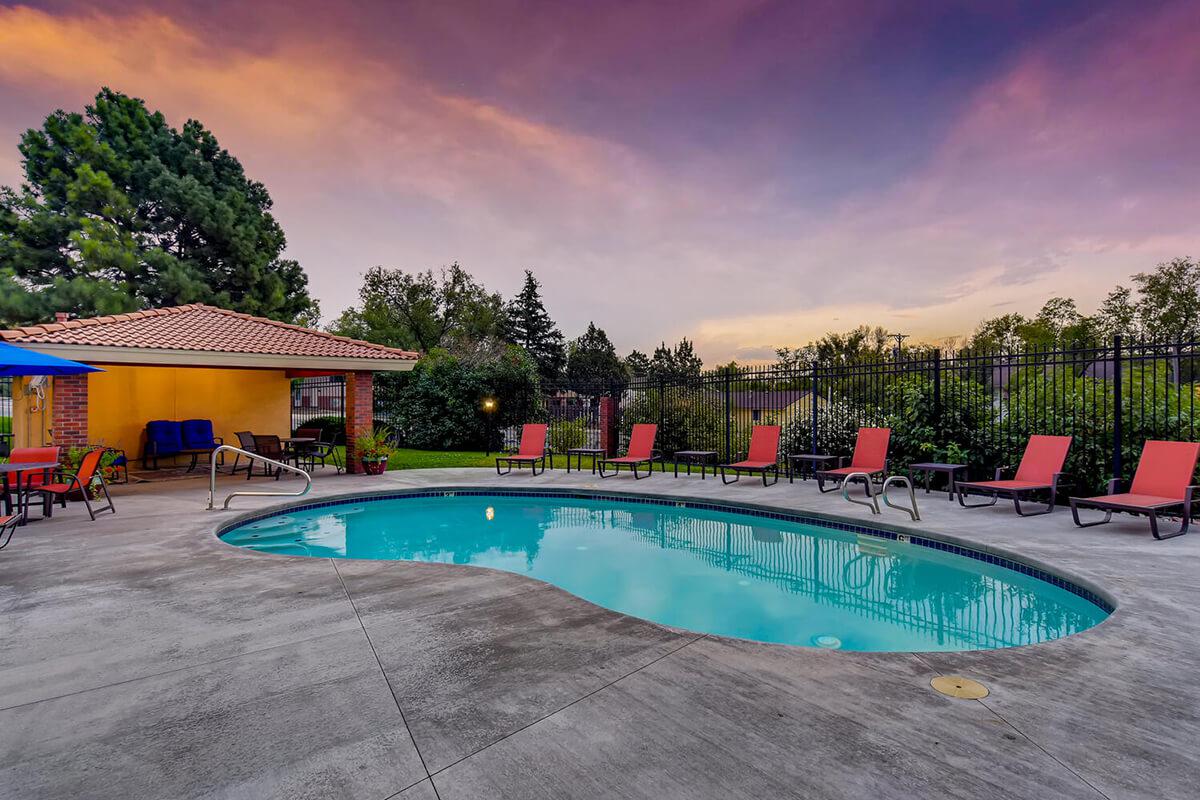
[(19, 361)]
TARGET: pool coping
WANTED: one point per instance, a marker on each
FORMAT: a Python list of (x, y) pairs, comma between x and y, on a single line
[(988, 554)]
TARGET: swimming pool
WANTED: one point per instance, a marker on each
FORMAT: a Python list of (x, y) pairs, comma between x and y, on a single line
[(746, 573)]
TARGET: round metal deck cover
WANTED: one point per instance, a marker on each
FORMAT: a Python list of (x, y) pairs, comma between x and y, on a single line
[(960, 687)]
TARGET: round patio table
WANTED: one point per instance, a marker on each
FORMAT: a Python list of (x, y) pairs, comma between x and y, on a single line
[(17, 469)]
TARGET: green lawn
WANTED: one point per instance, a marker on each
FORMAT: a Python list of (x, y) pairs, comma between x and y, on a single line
[(432, 459)]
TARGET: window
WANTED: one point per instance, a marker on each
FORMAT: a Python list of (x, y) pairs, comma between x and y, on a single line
[(756, 415)]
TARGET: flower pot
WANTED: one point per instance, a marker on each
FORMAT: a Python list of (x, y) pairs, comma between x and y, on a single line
[(374, 466)]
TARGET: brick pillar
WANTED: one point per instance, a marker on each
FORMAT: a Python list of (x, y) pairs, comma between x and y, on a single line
[(360, 412), (69, 421), (608, 425)]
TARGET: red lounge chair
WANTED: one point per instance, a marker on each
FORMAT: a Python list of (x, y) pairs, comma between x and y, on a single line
[(1163, 480), (533, 451), (870, 456), (641, 451), (89, 471), (1040, 471), (763, 456)]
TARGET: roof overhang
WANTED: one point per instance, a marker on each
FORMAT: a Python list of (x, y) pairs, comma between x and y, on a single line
[(161, 357)]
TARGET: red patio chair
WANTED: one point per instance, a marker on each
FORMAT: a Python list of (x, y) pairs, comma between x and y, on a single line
[(8, 525), (1163, 481), (533, 450), (1040, 471), (870, 456), (89, 471), (640, 451), (26, 455), (762, 458)]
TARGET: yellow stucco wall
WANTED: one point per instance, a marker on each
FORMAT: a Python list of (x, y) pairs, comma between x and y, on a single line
[(122, 399), (31, 417)]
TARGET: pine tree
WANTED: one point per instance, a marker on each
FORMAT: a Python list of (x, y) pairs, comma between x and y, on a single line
[(530, 327), (592, 361)]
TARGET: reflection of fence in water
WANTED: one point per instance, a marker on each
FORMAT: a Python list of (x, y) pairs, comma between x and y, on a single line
[(864, 578)]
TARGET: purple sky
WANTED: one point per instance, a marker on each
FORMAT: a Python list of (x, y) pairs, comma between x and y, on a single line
[(747, 174)]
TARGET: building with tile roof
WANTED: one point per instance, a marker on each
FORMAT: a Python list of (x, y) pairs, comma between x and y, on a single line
[(186, 362)]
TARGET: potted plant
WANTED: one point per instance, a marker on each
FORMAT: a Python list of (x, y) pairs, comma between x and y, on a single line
[(373, 450)]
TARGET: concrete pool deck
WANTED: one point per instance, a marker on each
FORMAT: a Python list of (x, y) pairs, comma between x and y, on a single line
[(143, 658)]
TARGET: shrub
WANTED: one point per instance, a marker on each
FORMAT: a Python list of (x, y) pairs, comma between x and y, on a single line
[(333, 428), (567, 434), (439, 405), (685, 422)]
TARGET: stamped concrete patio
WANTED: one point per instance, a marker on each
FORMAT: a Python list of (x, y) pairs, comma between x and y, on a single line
[(143, 658)]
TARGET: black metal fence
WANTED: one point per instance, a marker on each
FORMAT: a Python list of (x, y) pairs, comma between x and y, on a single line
[(973, 408), (6, 412), (317, 399)]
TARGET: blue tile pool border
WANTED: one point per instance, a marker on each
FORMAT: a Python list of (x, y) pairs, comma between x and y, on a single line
[(1024, 568)]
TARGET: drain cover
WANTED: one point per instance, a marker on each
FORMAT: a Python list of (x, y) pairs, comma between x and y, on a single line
[(958, 686)]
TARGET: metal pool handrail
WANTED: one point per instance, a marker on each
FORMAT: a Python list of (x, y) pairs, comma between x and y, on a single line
[(228, 448)]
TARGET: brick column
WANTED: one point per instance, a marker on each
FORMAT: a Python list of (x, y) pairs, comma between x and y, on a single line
[(608, 425), (360, 413), (69, 421)]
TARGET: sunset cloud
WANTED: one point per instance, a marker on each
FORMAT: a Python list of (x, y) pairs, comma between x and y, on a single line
[(749, 174)]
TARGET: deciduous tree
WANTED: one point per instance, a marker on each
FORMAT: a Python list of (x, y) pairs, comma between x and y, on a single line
[(421, 310)]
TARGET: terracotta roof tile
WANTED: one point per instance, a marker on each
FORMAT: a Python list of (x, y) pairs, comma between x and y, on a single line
[(203, 328)]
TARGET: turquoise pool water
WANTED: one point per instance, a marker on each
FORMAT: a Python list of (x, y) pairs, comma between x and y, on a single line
[(718, 572)]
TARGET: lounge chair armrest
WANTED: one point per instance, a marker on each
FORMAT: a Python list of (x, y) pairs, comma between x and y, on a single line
[(1000, 473), (1114, 484)]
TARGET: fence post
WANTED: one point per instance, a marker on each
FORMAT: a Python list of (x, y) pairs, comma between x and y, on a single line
[(1117, 433), (937, 390), (814, 397), (728, 417)]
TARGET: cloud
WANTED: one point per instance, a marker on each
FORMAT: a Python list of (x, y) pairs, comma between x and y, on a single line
[(659, 176)]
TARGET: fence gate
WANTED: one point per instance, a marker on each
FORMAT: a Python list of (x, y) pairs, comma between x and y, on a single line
[(313, 398)]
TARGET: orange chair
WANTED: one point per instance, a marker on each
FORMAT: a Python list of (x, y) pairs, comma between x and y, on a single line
[(762, 458), (533, 451), (641, 451), (1163, 481), (870, 456), (8, 524), (88, 473), (1041, 470)]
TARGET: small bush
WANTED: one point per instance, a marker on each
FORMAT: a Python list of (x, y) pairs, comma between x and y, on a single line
[(567, 434), (333, 428)]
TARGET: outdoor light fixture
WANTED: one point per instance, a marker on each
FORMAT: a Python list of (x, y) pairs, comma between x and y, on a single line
[(489, 406)]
